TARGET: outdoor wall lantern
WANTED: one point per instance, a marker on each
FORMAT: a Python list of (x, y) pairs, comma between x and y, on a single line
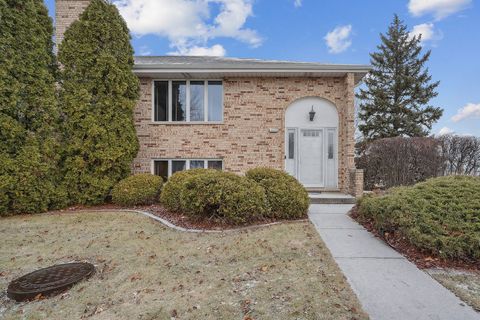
[(312, 114)]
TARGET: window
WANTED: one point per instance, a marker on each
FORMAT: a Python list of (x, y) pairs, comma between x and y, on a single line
[(291, 144), (166, 167), (197, 100), (215, 164), (187, 101), (161, 101), (179, 101), (330, 145), (197, 164), (160, 168), (215, 103), (311, 133), (178, 165)]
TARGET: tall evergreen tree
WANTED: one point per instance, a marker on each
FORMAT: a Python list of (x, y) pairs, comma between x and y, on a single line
[(28, 109), (97, 97), (398, 89)]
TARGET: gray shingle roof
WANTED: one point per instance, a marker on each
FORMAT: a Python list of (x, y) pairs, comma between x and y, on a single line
[(219, 63)]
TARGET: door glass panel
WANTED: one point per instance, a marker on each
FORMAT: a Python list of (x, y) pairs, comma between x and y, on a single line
[(160, 101), (178, 165), (311, 133), (330, 145), (161, 169), (215, 164), (197, 95), (291, 152), (215, 100), (195, 164), (291, 145), (179, 97)]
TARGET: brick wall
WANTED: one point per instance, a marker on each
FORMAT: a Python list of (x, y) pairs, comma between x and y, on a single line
[(66, 12), (356, 182), (243, 140)]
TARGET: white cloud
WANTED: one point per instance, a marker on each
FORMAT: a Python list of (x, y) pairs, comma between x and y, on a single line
[(229, 22), (444, 131), (338, 40), (428, 32), (297, 3), (189, 23), (439, 8), (215, 50), (471, 110)]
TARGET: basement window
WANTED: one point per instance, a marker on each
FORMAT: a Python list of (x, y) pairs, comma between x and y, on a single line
[(195, 101), (166, 167)]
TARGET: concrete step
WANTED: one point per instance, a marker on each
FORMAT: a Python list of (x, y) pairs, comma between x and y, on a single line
[(330, 198)]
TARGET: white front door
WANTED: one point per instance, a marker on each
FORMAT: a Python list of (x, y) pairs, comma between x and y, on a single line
[(310, 159), (310, 156)]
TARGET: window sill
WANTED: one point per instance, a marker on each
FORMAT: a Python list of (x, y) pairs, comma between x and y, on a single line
[(185, 123)]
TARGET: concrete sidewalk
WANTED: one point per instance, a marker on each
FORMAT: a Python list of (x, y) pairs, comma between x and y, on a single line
[(388, 285)]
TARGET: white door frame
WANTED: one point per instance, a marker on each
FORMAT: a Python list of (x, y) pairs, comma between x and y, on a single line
[(326, 118)]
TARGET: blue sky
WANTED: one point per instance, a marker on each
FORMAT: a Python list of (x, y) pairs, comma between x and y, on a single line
[(335, 31)]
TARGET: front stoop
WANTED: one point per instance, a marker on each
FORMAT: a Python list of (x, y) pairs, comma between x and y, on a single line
[(331, 198)]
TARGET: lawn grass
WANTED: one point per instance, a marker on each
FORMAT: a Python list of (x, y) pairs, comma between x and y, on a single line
[(147, 271), (465, 284)]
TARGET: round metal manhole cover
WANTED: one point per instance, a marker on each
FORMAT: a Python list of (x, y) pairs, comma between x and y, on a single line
[(49, 280)]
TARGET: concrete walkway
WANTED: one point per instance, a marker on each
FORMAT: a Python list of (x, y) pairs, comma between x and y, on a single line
[(388, 285)]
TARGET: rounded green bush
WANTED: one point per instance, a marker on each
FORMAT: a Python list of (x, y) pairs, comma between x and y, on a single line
[(440, 215), (137, 189), (223, 197), (286, 197), (170, 196)]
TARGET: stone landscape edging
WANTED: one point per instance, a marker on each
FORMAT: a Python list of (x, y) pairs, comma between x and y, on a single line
[(169, 224)]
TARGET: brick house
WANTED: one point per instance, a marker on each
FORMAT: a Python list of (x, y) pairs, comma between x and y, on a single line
[(237, 114)]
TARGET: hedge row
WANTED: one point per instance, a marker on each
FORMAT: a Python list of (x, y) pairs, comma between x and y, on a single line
[(220, 196), (212, 194), (440, 216)]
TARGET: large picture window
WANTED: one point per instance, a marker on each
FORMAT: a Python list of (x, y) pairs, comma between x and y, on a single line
[(166, 167), (187, 101)]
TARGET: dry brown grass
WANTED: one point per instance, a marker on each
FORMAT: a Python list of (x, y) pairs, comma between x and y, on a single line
[(465, 284), (146, 271)]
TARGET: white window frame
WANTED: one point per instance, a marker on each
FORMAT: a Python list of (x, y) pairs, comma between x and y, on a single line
[(187, 98), (187, 164)]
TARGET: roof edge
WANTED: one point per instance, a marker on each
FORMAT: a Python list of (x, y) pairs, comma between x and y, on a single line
[(186, 68), (221, 64)]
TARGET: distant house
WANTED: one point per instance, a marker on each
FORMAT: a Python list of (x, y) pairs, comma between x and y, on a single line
[(236, 114)]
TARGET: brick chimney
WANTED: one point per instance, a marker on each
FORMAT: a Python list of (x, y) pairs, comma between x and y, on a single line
[(66, 12)]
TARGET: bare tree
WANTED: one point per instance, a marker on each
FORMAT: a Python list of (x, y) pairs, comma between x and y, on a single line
[(461, 154), (406, 161), (399, 161)]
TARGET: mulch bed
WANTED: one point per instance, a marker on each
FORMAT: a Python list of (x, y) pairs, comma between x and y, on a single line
[(188, 222), (423, 259), (179, 219)]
